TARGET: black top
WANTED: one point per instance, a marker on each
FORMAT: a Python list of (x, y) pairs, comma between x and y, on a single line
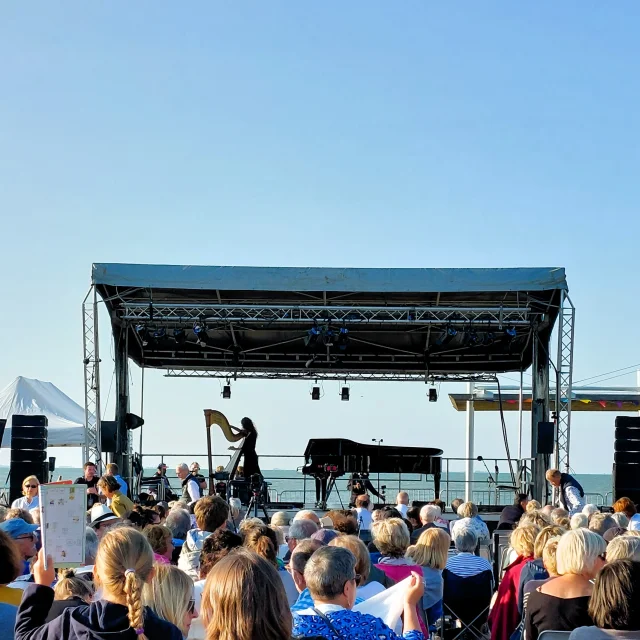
[(510, 515), (92, 498), (59, 606), (251, 465), (415, 535), (549, 613)]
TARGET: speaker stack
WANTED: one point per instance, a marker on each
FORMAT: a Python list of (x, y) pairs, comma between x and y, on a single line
[(626, 459), (28, 451)]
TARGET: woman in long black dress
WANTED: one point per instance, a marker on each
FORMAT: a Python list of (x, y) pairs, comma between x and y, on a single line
[(251, 465)]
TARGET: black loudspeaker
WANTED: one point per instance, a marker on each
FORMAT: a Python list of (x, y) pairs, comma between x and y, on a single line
[(28, 451), (108, 436), (3, 424), (626, 459), (546, 437)]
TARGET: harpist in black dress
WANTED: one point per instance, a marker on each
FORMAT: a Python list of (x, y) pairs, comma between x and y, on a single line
[(251, 465)]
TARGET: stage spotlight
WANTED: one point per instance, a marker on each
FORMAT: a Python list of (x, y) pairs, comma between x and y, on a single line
[(449, 334), (511, 332), (344, 394), (226, 391), (328, 335), (200, 331), (315, 393), (158, 335), (179, 336), (433, 394), (343, 338), (312, 336), (143, 334), (132, 421)]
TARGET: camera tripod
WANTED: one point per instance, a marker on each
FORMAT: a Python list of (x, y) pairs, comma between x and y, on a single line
[(258, 494)]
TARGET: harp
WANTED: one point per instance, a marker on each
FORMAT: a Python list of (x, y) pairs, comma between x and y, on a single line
[(231, 433)]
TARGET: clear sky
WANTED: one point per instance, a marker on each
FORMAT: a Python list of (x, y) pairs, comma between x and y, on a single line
[(411, 134)]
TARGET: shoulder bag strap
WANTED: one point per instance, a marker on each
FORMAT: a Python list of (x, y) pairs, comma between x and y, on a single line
[(329, 623)]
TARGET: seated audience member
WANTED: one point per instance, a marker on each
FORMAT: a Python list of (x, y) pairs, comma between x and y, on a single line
[(621, 520), (118, 502), (465, 563), (363, 513), (332, 581), (391, 537), (211, 514), (124, 564), (624, 548), (30, 498), (235, 507), (504, 616), (367, 587), (280, 519), (307, 514), (325, 536), (455, 504), (590, 509), (431, 553), (21, 514), (344, 522), (546, 511), (413, 516), (561, 518), (511, 515), (162, 509), (469, 517), (23, 536), (626, 506), (160, 539), (169, 594), (70, 591), (402, 503), (298, 531), (533, 505), (101, 519), (610, 534), (551, 567), (244, 598), (600, 523), (299, 559), (613, 606), (428, 515), (579, 521), (562, 603), (90, 552), (537, 519), (179, 523), (441, 521)]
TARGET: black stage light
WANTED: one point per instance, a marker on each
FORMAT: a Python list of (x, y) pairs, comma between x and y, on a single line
[(132, 421), (328, 336), (433, 394), (315, 393), (179, 336), (344, 394), (343, 339), (200, 331), (449, 334), (312, 336), (158, 335), (226, 391), (143, 334), (511, 332)]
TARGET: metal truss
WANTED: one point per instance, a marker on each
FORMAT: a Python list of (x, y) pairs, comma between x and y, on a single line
[(179, 313), (92, 448), (331, 375), (564, 380)]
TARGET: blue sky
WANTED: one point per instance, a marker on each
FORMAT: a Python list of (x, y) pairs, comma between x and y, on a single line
[(322, 134)]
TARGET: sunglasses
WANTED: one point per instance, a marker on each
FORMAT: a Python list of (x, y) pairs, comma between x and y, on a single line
[(30, 486), (27, 536)]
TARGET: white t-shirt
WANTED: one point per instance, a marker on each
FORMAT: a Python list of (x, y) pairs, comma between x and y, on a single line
[(403, 508), (363, 516)]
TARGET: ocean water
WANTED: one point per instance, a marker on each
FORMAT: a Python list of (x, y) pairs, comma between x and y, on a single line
[(288, 485)]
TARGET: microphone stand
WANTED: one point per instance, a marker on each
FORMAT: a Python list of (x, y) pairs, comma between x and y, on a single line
[(490, 480)]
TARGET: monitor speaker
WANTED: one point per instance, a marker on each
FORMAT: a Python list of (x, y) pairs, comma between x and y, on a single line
[(546, 437), (108, 436), (28, 451), (626, 459)]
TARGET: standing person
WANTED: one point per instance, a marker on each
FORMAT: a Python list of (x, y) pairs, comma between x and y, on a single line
[(359, 484), (200, 479), (112, 470), (119, 503), (161, 476), (90, 479), (251, 465), (191, 490), (571, 494), (402, 503)]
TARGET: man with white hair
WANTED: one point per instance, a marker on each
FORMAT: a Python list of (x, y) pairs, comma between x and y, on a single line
[(307, 514), (570, 494), (190, 488), (402, 503), (428, 515), (465, 563)]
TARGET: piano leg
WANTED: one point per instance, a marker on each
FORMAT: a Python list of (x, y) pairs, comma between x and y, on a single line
[(436, 484)]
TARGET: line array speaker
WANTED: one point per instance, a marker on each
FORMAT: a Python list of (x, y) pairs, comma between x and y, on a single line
[(626, 459), (28, 451)]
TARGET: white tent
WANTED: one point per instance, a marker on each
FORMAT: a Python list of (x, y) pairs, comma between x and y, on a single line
[(29, 397)]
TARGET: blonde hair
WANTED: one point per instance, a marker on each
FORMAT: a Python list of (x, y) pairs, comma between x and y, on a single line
[(552, 473), (391, 537), (549, 556), (123, 564), (523, 540), (70, 586), (467, 510), (545, 534), (578, 551), (624, 548), (432, 549), (29, 479), (244, 599), (633, 532), (359, 550), (533, 506), (535, 518), (169, 594)]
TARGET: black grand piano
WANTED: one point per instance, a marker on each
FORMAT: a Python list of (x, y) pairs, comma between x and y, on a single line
[(335, 457)]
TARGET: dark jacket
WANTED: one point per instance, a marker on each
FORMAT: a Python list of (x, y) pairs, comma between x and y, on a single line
[(99, 621), (375, 575), (418, 532), (567, 480), (59, 606), (510, 515)]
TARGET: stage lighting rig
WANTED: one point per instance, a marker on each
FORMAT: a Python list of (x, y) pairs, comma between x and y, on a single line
[(344, 394), (179, 336), (143, 334), (226, 391), (315, 393), (200, 331), (433, 394), (343, 339), (311, 339)]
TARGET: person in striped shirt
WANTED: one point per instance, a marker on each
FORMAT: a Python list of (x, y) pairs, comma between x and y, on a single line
[(465, 564)]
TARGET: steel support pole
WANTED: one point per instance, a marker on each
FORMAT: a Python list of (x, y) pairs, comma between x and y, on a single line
[(122, 456), (539, 409), (469, 449)]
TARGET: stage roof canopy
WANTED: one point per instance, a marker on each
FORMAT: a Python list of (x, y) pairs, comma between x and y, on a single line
[(329, 323)]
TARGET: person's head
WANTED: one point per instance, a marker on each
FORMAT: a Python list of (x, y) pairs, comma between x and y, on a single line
[(613, 603), (523, 540), (101, 519), (182, 470), (195, 468), (432, 548), (112, 469), (244, 599), (345, 523), (325, 536), (90, 546), (466, 540), (624, 548), (580, 552), (546, 511), (413, 516), (211, 513), (307, 514), (621, 519), (553, 477), (455, 504), (23, 535), (169, 594), (235, 506), (541, 539), (526, 504), (3, 513), (90, 470), (579, 521), (402, 498), (467, 510), (610, 534), (21, 514), (30, 486), (124, 564), (331, 576), (263, 541), (363, 502), (626, 506), (558, 516), (248, 426), (429, 513), (108, 485), (549, 560), (300, 530), (179, 523), (162, 469), (280, 519), (215, 547), (391, 537), (10, 559), (600, 523), (71, 586), (590, 509), (299, 558), (160, 539), (361, 553), (536, 519)]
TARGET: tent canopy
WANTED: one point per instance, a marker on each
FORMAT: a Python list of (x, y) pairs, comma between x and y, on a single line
[(30, 397)]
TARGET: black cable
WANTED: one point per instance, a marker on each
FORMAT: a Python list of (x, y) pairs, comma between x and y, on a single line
[(505, 435)]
